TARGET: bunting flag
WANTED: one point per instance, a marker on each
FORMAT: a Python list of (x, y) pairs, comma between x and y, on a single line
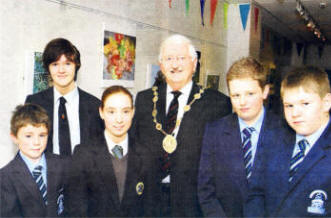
[(202, 6), (244, 10), (213, 6), (299, 48), (225, 18), (256, 16), (187, 6), (320, 50), (169, 1)]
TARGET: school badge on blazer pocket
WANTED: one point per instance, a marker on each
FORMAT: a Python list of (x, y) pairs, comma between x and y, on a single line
[(60, 202), (140, 188), (318, 198)]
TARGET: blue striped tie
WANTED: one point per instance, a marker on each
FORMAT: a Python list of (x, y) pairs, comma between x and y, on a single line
[(40, 182), (247, 147), (298, 158)]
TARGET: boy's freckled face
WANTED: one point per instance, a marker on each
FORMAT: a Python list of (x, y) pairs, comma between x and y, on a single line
[(32, 141), (305, 112), (247, 98)]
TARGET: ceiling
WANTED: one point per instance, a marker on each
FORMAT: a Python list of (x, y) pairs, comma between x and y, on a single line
[(282, 17)]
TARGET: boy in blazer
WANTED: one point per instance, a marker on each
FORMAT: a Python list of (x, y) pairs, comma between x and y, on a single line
[(74, 112), (110, 178), (229, 155), (32, 183), (295, 175)]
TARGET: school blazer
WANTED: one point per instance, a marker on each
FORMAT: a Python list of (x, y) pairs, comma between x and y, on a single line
[(310, 190), (20, 195), (92, 190), (185, 160), (89, 119), (223, 186)]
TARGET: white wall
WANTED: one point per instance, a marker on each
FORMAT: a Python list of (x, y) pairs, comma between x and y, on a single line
[(27, 25)]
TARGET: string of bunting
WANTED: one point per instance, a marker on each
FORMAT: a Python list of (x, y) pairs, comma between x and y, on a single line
[(243, 10)]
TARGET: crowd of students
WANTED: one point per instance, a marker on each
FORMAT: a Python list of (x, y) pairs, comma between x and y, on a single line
[(178, 152)]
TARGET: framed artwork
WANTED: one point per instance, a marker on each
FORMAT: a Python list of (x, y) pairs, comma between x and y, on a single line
[(152, 74), (119, 55), (213, 81), (36, 77)]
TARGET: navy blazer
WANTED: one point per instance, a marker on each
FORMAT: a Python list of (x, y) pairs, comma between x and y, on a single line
[(89, 119), (185, 160), (272, 194), (92, 190), (20, 195), (222, 184)]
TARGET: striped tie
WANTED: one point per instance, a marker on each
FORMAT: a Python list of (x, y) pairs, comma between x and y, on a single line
[(40, 182), (298, 158), (172, 112), (247, 148)]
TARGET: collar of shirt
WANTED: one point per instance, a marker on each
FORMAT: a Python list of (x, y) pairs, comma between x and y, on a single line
[(257, 125), (182, 100), (110, 144), (311, 138), (31, 165), (72, 107), (70, 97)]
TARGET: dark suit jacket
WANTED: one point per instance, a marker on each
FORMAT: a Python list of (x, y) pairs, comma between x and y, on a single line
[(272, 195), (185, 160), (20, 195), (89, 119), (92, 188), (222, 185)]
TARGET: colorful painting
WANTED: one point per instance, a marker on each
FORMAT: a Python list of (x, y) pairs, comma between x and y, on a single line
[(213, 81), (40, 76), (119, 56)]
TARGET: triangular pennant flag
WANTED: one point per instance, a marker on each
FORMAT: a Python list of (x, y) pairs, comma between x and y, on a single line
[(244, 9), (256, 16), (202, 7), (169, 3), (225, 18), (213, 5), (299, 48), (320, 50), (187, 6)]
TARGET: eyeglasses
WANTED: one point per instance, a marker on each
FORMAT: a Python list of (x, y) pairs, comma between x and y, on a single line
[(178, 59)]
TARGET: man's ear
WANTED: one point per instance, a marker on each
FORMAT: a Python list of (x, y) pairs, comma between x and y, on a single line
[(265, 91)]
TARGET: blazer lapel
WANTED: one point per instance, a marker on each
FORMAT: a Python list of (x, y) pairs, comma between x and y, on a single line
[(48, 99), (28, 183), (132, 174), (315, 154), (161, 104), (83, 116), (105, 166)]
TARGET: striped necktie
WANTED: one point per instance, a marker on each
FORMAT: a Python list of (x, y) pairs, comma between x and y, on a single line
[(172, 112), (298, 158), (247, 150), (40, 182)]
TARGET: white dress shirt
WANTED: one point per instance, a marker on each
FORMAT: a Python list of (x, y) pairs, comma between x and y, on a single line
[(110, 144), (72, 108)]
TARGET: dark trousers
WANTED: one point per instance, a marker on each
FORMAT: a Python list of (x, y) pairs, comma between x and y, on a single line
[(165, 200)]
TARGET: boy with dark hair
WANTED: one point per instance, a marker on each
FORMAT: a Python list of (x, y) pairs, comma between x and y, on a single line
[(73, 111), (295, 175), (231, 145), (32, 183)]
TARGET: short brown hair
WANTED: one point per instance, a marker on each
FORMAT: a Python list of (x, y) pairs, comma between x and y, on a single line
[(27, 114), (114, 90), (58, 47), (247, 67), (311, 79)]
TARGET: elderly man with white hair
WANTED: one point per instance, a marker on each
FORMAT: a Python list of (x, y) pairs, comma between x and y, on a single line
[(169, 121)]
